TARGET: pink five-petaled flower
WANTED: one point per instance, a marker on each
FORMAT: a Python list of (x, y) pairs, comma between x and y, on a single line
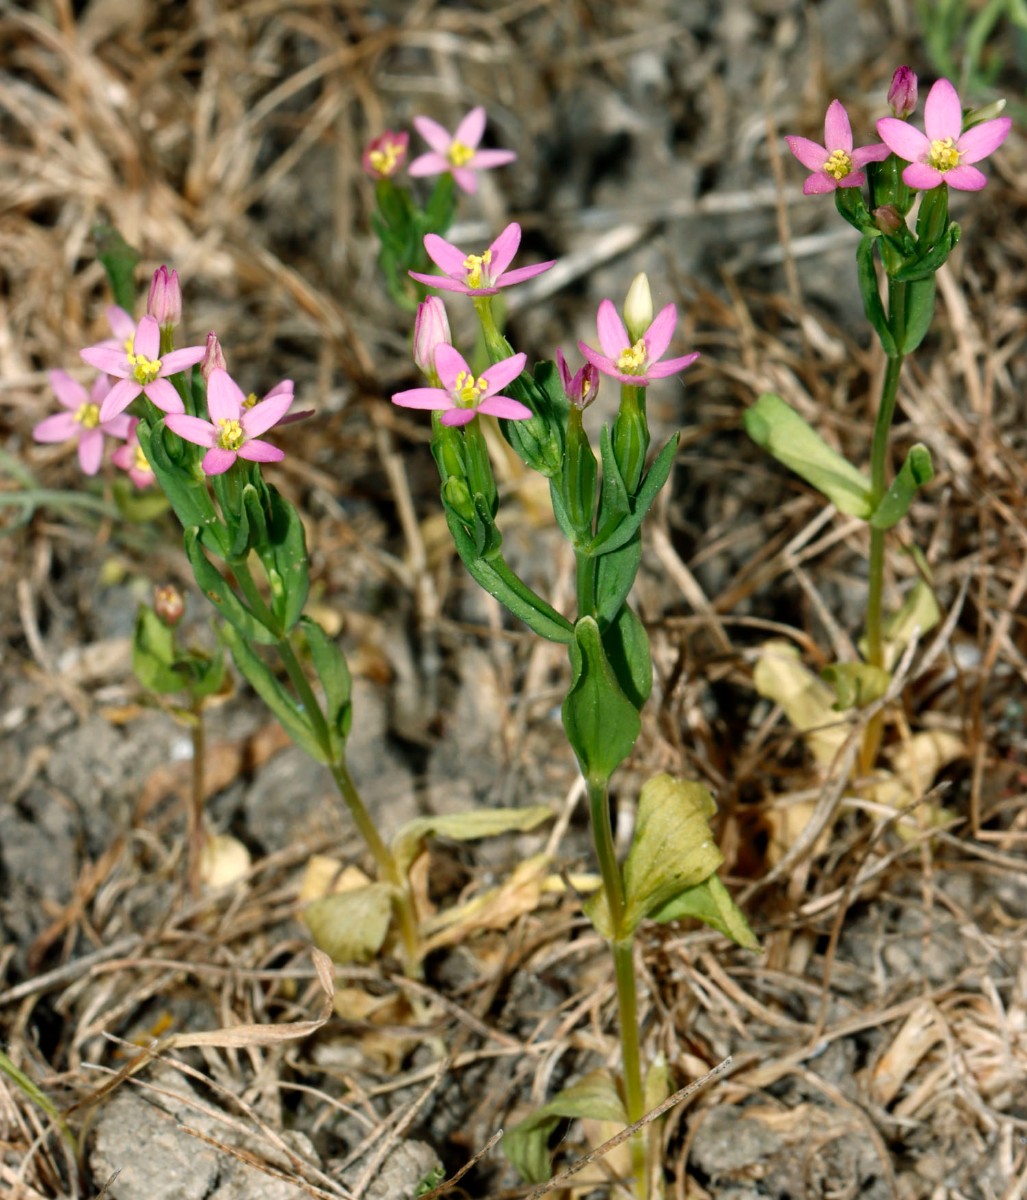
[(635, 363), (457, 152), (384, 155), (834, 164), (944, 153), (130, 457), (234, 427), (82, 419), (461, 396), (478, 274), (582, 387), (141, 370)]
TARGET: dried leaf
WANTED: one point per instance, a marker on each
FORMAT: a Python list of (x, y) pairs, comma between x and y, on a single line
[(464, 827)]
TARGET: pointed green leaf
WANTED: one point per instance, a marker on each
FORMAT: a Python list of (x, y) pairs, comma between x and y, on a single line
[(187, 495), (119, 261), (351, 927), (615, 577), (217, 590), (464, 827), (711, 903), (778, 428), (869, 290), (330, 665), (285, 560), (527, 1144), (626, 646), (855, 684), (916, 471), (652, 482), (919, 312)]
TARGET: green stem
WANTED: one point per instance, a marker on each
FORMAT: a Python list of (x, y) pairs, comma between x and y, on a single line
[(195, 838)]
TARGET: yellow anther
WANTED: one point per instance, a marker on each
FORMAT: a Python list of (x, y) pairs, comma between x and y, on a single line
[(88, 415), (230, 434), (130, 344), (250, 400), (473, 264), (141, 463), (144, 370), (838, 165), (632, 360), (460, 155), (469, 391), (944, 155), (385, 159)]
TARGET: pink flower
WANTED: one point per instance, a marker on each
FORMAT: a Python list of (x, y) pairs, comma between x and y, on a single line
[(131, 458), (458, 152), (234, 426), (164, 302), (140, 370), (82, 420), (431, 330), (384, 155), (461, 396), (635, 363), (582, 387), (835, 164), (477, 274), (945, 152), (902, 93)]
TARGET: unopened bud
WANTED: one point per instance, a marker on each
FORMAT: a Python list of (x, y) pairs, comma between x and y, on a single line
[(168, 604), (638, 307), (987, 113), (582, 387), (888, 219), (431, 330), (214, 359), (384, 155), (902, 93), (164, 302)]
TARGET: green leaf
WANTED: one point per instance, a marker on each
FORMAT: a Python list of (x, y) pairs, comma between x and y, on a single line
[(916, 471), (672, 850), (464, 827), (351, 927), (626, 646), (154, 655), (652, 482), (855, 684), (778, 428), (615, 577), (251, 530), (711, 903), (284, 706), (217, 590), (119, 261), (330, 665), (527, 1144), (139, 505), (919, 313), (187, 495), (285, 560), (601, 722), (870, 292), (919, 611)]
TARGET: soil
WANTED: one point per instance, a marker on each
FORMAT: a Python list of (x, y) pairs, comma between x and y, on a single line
[(878, 1042)]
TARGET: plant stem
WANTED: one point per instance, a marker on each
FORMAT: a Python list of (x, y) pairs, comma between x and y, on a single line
[(624, 971), (195, 836)]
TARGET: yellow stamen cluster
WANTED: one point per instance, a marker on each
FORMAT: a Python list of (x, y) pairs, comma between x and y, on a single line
[(460, 155), (230, 434), (250, 400), (632, 360), (141, 463), (385, 159), (144, 370), (473, 264), (838, 165), (88, 415), (468, 391), (944, 155)]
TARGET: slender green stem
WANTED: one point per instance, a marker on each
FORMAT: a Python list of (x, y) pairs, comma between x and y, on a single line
[(195, 837)]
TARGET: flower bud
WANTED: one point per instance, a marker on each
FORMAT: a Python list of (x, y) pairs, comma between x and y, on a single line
[(164, 302), (888, 219), (384, 155), (431, 330), (214, 359), (168, 604), (638, 307), (987, 113), (582, 387), (902, 93)]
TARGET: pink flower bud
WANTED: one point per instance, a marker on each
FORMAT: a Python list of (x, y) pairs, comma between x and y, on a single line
[(168, 604), (582, 387), (164, 302), (384, 155), (431, 330), (888, 219), (213, 359), (902, 93)]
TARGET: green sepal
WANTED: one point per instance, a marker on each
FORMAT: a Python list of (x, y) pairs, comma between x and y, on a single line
[(711, 903), (887, 185), (916, 471), (217, 590), (251, 528), (187, 494), (871, 295), (855, 684), (626, 646), (259, 676), (853, 208), (119, 260), (778, 428), (923, 266), (333, 672), (527, 1144), (601, 723), (574, 496)]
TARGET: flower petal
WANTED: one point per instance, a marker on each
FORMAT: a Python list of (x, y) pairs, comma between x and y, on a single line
[(981, 140), (217, 461), (119, 427), (449, 363), (428, 164), (520, 274), (506, 407), (902, 139), (819, 184), (445, 255), (147, 339), (484, 160), (469, 131), (921, 176), (57, 428), (865, 154), (224, 397), (503, 250), (69, 392), (257, 451), (163, 394), (466, 179), (599, 361), (262, 416), (119, 398), (458, 416), (443, 283), (433, 398), (613, 337), (671, 366), (178, 360), (499, 374), (837, 130), (965, 178), (107, 359), (808, 153), (853, 179), (90, 451), (202, 433), (433, 133), (661, 330), (943, 113), (122, 324)]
